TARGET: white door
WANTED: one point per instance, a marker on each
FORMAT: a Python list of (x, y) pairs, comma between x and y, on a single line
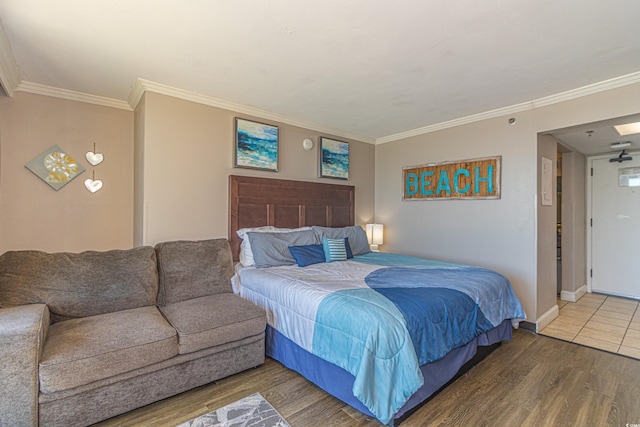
[(615, 230)]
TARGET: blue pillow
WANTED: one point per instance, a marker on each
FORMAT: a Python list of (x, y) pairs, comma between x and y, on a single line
[(334, 249), (347, 246), (307, 254)]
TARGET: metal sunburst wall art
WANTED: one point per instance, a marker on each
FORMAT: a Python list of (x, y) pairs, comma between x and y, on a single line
[(55, 167)]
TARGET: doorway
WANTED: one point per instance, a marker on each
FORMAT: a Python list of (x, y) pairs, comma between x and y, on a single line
[(577, 145), (570, 274)]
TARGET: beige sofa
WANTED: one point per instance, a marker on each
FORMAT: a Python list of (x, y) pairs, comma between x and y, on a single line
[(85, 337)]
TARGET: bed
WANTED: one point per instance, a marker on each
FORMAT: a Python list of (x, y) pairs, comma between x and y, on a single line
[(381, 332)]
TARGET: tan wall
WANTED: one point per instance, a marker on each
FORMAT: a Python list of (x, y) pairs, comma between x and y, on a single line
[(495, 234), (138, 166), (188, 156), (35, 216), (499, 234), (183, 155), (574, 221), (547, 230)]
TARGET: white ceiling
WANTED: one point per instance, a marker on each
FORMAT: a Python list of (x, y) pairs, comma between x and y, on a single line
[(596, 138), (366, 68)]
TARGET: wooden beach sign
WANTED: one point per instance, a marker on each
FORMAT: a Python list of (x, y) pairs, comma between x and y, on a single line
[(466, 179)]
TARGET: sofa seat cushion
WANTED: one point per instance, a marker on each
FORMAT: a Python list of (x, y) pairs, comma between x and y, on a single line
[(214, 320), (80, 351)]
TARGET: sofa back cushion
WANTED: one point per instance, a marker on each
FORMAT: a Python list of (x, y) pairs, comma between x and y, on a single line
[(79, 284), (192, 269)]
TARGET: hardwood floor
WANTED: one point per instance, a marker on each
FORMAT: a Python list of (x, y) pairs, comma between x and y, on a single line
[(531, 381)]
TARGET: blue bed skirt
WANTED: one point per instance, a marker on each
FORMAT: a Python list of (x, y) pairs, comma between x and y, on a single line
[(339, 383)]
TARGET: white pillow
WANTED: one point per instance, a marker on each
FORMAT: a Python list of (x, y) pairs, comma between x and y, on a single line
[(246, 254)]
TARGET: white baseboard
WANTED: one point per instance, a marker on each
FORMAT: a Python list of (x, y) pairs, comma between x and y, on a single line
[(547, 318), (573, 296)]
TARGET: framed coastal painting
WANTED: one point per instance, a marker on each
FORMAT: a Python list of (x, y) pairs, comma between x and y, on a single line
[(334, 158), (256, 145)]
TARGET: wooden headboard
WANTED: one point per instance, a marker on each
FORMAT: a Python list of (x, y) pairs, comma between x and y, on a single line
[(254, 202)]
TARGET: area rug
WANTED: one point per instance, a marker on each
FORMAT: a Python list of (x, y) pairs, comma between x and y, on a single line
[(252, 411)]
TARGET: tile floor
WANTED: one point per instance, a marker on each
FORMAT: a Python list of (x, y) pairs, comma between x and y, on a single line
[(600, 321)]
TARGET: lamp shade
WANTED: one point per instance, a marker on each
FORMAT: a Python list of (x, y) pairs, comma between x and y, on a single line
[(374, 234)]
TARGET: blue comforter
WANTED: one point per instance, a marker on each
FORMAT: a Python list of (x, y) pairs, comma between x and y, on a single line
[(438, 306)]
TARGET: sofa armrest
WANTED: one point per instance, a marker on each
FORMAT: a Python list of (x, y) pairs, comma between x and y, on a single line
[(23, 330)]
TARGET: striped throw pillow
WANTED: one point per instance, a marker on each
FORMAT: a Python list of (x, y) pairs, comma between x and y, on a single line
[(334, 249)]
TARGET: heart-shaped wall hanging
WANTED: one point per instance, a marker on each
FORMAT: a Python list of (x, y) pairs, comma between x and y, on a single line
[(93, 185), (94, 158)]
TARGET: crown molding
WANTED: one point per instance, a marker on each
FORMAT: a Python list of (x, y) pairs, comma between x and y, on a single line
[(137, 91), (142, 85), (603, 86), (55, 92), (456, 122), (10, 82), (9, 76)]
